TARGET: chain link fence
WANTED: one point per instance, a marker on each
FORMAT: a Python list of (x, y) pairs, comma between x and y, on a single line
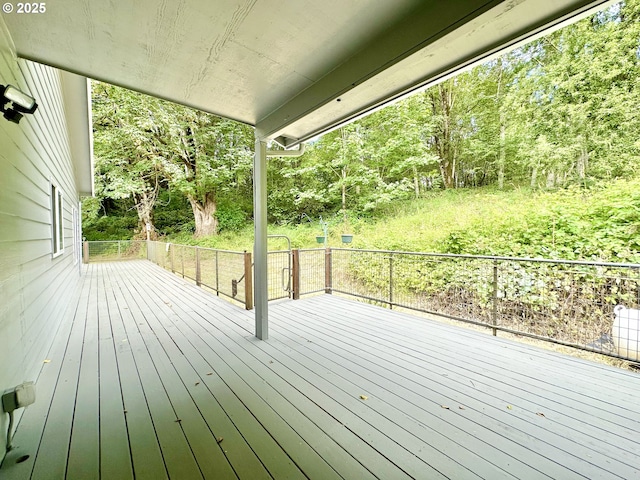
[(111, 251)]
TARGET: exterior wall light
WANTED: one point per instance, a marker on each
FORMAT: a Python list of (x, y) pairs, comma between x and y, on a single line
[(19, 101)]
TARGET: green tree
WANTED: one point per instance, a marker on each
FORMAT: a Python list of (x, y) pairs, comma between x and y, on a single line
[(129, 163), (143, 144), (206, 158), (574, 98)]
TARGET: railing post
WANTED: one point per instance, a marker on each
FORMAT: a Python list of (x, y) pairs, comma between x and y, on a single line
[(295, 273), (328, 277), (248, 282), (390, 281), (85, 252), (494, 307), (198, 273), (172, 254), (119, 254), (217, 276), (182, 260)]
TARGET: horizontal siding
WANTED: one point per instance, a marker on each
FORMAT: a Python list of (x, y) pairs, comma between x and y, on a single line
[(35, 288)]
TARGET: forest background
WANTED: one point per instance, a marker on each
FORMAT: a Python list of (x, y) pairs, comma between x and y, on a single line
[(535, 153)]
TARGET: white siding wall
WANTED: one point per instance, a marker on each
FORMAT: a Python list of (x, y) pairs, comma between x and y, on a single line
[(35, 287)]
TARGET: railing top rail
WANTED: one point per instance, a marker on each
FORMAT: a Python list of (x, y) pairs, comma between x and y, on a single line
[(236, 252), (493, 257), (115, 241), (282, 236), (418, 254)]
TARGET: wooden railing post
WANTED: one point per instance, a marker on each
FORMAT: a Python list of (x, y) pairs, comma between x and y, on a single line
[(172, 254), (198, 272), (327, 271), (85, 252), (248, 282), (295, 273)]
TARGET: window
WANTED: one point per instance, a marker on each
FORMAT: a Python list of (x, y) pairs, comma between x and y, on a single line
[(56, 221)]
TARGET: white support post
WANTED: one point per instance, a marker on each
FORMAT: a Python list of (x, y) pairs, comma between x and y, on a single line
[(260, 288)]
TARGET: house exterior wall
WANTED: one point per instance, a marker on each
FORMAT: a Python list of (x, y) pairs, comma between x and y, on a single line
[(35, 285)]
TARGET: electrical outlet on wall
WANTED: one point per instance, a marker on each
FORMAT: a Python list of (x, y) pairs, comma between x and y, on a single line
[(18, 397), (25, 394)]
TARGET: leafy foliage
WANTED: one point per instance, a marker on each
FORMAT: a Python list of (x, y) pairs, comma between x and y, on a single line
[(547, 131)]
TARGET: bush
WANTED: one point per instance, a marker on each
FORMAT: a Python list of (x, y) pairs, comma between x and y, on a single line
[(231, 216), (110, 228)]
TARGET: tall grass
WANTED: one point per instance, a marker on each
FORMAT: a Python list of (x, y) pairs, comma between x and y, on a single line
[(600, 223)]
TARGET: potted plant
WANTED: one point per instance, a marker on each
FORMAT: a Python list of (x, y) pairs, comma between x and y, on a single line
[(346, 237)]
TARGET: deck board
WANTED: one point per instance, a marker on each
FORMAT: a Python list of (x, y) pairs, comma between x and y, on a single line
[(617, 408), (505, 431), (176, 451), (153, 377), (146, 456), (228, 365), (84, 448), (52, 454), (388, 410), (202, 441), (299, 410), (114, 440), (31, 426)]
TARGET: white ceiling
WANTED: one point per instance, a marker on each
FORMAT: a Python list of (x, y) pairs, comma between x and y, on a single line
[(292, 68)]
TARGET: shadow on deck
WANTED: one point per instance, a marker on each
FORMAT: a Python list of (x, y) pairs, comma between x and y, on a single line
[(152, 377)]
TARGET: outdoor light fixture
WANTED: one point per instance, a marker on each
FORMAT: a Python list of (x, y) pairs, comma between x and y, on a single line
[(19, 102)]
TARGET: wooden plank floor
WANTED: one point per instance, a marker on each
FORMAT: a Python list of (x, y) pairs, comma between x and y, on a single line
[(154, 378)]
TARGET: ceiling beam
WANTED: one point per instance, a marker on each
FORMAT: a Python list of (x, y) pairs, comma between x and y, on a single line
[(433, 41), (393, 45)]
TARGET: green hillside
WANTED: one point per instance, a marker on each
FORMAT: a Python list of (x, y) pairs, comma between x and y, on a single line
[(600, 223)]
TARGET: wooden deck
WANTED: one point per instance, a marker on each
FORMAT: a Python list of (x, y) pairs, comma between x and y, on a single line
[(155, 378)]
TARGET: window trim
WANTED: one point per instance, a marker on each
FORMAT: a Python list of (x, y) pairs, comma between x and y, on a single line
[(57, 220)]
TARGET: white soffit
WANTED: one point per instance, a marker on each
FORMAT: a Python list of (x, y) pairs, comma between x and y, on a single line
[(76, 96), (292, 68)]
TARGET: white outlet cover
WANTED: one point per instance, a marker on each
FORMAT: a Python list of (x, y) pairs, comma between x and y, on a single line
[(25, 394)]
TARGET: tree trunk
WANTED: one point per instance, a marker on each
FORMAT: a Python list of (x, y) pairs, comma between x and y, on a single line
[(144, 208), (344, 200), (583, 163), (501, 155), (534, 177), (448, 173), (551, 179), (501, 146), (204, 215), (442, 106), (416, 182)]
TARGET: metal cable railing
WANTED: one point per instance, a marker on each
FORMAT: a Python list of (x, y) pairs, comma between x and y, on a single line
[(566, 302), (222, 271), (593, 306)]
